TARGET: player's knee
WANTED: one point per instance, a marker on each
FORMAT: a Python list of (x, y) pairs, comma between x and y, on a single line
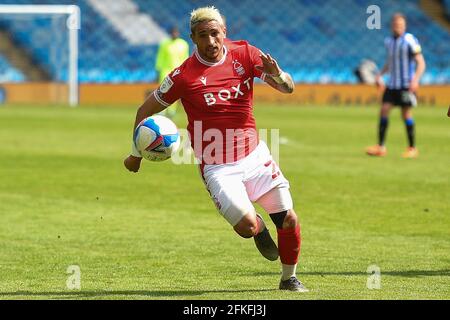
[(247, 227), (406, 114), (385, 110), (290, 220)]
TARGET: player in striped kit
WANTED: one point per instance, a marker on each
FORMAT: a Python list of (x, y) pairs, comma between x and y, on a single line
[(405, 65)]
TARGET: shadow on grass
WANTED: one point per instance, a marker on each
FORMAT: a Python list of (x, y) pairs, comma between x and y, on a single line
[(406, 273), (154, 294)]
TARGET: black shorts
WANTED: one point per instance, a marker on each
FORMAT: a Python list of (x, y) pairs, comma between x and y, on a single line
[(400, 97)]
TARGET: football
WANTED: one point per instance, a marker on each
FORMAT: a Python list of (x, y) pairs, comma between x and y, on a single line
[(156, 138)]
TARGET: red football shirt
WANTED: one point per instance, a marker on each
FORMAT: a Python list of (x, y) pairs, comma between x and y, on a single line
[(218, 100)]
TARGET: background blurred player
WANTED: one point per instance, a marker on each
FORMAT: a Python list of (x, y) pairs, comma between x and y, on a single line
[(171, 54), (403, 52), (215, 86)]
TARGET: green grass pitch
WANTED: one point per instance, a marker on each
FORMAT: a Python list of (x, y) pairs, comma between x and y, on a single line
[(66, 199)]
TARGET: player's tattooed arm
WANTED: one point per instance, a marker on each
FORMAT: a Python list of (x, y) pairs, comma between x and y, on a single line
[(285, 84), (274, 76)]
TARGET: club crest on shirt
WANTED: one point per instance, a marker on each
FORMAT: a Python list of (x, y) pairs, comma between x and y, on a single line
[(166, 85), (238, 67)]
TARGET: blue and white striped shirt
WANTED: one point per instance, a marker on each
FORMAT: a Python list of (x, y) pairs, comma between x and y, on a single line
[(401, 52)]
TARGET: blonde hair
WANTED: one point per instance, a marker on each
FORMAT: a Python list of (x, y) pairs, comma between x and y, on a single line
[(205, 14)]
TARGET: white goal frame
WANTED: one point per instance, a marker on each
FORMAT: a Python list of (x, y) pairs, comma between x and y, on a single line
[(73, 25)]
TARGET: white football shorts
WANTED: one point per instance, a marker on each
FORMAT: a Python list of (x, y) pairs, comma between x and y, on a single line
[(256, 178)]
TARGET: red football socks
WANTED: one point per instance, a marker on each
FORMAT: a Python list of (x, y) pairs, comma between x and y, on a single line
[(289, 244)]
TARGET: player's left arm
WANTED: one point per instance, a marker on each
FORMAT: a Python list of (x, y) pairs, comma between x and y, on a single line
[(420, 69), (274, 76)]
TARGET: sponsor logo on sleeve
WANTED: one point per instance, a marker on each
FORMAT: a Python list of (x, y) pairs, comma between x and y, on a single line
[(166, 85), (417, 48)]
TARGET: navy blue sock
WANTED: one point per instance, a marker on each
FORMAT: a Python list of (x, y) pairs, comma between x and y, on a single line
[(410, 130), (382, 127)]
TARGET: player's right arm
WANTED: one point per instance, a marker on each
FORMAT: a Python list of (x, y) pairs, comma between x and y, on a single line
[(379, 77), (169, 91), (150, 107)]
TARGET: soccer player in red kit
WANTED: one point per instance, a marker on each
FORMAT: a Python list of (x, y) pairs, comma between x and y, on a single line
[(215, 86)]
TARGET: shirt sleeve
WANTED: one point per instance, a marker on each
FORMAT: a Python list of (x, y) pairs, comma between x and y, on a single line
[(256, 61), (414, 45), (170, 89), (387, 42)]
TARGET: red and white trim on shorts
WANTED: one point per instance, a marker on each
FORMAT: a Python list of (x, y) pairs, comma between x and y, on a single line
[(275, 168)]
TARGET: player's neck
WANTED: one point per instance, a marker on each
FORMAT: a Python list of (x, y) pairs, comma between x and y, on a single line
[(216, 59)]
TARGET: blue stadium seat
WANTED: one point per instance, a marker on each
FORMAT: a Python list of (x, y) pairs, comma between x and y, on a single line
[(316, 40), (8, 73)]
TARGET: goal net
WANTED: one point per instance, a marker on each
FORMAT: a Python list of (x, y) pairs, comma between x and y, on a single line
[(39, 52)]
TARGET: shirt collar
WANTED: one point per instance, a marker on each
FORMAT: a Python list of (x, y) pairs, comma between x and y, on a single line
[(212, 64)]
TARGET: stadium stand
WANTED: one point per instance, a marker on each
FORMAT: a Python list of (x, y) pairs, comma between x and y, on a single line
[(8, 73), (446, 4), (317, 41)]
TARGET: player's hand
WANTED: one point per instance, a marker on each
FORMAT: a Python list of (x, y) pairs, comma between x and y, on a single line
[(270, 65), (379, 81), (132, 163), (414, 85)]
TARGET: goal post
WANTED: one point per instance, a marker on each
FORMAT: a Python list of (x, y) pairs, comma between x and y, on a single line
[(73, 26)]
